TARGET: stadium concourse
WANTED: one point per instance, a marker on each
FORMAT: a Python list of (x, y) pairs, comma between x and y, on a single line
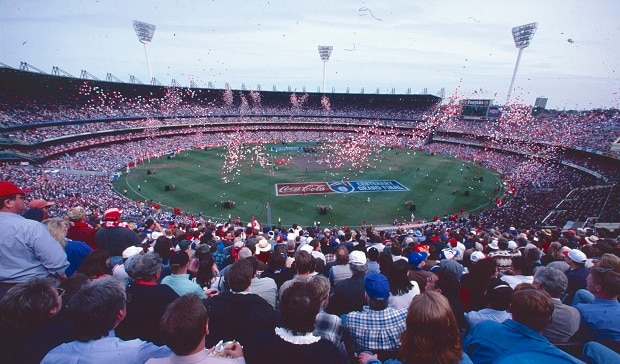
[(64, 138)]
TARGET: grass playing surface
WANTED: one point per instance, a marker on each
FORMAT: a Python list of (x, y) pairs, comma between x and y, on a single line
[(431, 180)]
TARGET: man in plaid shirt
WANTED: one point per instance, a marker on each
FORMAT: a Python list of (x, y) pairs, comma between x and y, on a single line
[(377, 326)]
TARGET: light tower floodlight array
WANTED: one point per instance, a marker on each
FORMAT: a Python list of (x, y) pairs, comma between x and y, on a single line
[(325, 52), (145, 31), (522, 35)]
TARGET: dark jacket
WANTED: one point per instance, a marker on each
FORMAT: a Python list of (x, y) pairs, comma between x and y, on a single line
[(236, 316), (349, 295), (116, 239)]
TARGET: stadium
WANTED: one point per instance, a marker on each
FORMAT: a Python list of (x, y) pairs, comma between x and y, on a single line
[(209, 223), (556, 169)]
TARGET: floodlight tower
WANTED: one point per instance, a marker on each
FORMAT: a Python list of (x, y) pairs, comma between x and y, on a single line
[(145, 31), (325, 52), (522, 35)]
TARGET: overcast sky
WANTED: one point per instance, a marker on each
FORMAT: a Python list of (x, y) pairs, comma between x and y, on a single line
[(465, 47)]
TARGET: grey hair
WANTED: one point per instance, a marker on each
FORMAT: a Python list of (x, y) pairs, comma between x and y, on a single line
[(552, 280), (245, 252), (143, 266), (321, 286), (363, 268)]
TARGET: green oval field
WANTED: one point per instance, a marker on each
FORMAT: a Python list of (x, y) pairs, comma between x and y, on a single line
[(436, 185)]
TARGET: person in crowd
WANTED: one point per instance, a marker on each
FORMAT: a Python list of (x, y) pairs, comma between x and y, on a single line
[(92, 314), (600, 320), (294, 341), (76, 250), (565, 319), (79, 229), (402, 290), (340, 270), (522, 272), (96, 264), (378, 326), (373, 260), (304, 266), (114, 236), (497, 294), (349, 294), (184, 327), (276, 267), (30, 324), (146, 301), (237, 314), (476, 281), (431, 334), (577, 273), (501, 255), (207, 276), (327, 326), (553, 253), (179, 279), (28, 249), (265, 287), (446, 283), (531, 312)]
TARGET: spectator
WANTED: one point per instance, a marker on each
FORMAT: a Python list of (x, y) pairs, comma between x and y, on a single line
[(565, 319), (265, 287), (93, 312), (522, 272), (377, 326), (96, 264), (431, 334), (600, 320), (402, 290), (28, 249), (531, 312), (179, 279), (147, 300), (294, 342), (238, 314), (79, 229), (304, 266), (114, 236), (576, 274), (31, 325), (340, 269), (327, 326), (498, 295), (184, 327), (446, 283), (481, 273), (76, 250), (349, 294)]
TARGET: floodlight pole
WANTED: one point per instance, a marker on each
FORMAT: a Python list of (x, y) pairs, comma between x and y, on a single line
[(325, 52), (145, 32), (522, 35)]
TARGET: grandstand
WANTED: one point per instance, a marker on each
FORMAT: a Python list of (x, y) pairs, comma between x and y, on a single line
[(561, 165)]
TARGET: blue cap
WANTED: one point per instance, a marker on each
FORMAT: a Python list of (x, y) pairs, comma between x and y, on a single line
[(377, 286), (415, 258)]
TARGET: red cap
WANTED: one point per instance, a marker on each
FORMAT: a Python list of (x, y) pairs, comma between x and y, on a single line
[(112, 214), (9, 188)]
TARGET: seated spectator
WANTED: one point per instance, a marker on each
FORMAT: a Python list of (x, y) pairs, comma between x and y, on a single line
[(497, 296), (30, 324), (446, 283), (265, 287), (431, 334), (600, 320), (184, 326), (327, 326), (348, 295), (522, 272), (96, 264), (179, 279), (237, 314), (294, 342), (76, 250), (576, 274), (481, 272), (402, 290), (377, 326), (276, 267), (114, 236), (531, 312), (92, 314), (304, 266), (78, 227), (565, 319), (340, 269), (147, 300)]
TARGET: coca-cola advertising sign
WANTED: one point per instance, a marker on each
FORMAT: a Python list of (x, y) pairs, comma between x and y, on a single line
[(309, 188)]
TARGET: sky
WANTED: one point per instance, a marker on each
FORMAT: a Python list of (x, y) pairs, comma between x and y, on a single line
[(463, 47)]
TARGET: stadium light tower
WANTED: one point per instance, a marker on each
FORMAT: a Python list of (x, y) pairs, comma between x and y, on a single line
[(522, 35), (145, 31), (325, 52)]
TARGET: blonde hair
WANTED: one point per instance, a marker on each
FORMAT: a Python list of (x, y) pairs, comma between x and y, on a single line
[(58, 229)]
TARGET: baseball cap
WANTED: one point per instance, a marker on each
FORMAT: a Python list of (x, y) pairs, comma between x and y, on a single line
[(415, 258), (179, 258), (112, 214), (357, 257), (577, 256), (40, 204), (477, 256), (377, 286), (9, 188)]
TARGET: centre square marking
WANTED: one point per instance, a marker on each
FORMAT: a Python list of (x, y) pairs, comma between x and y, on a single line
[(310, 188)]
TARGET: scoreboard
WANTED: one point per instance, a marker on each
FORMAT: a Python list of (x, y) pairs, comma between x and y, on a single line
[(479, 109)]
